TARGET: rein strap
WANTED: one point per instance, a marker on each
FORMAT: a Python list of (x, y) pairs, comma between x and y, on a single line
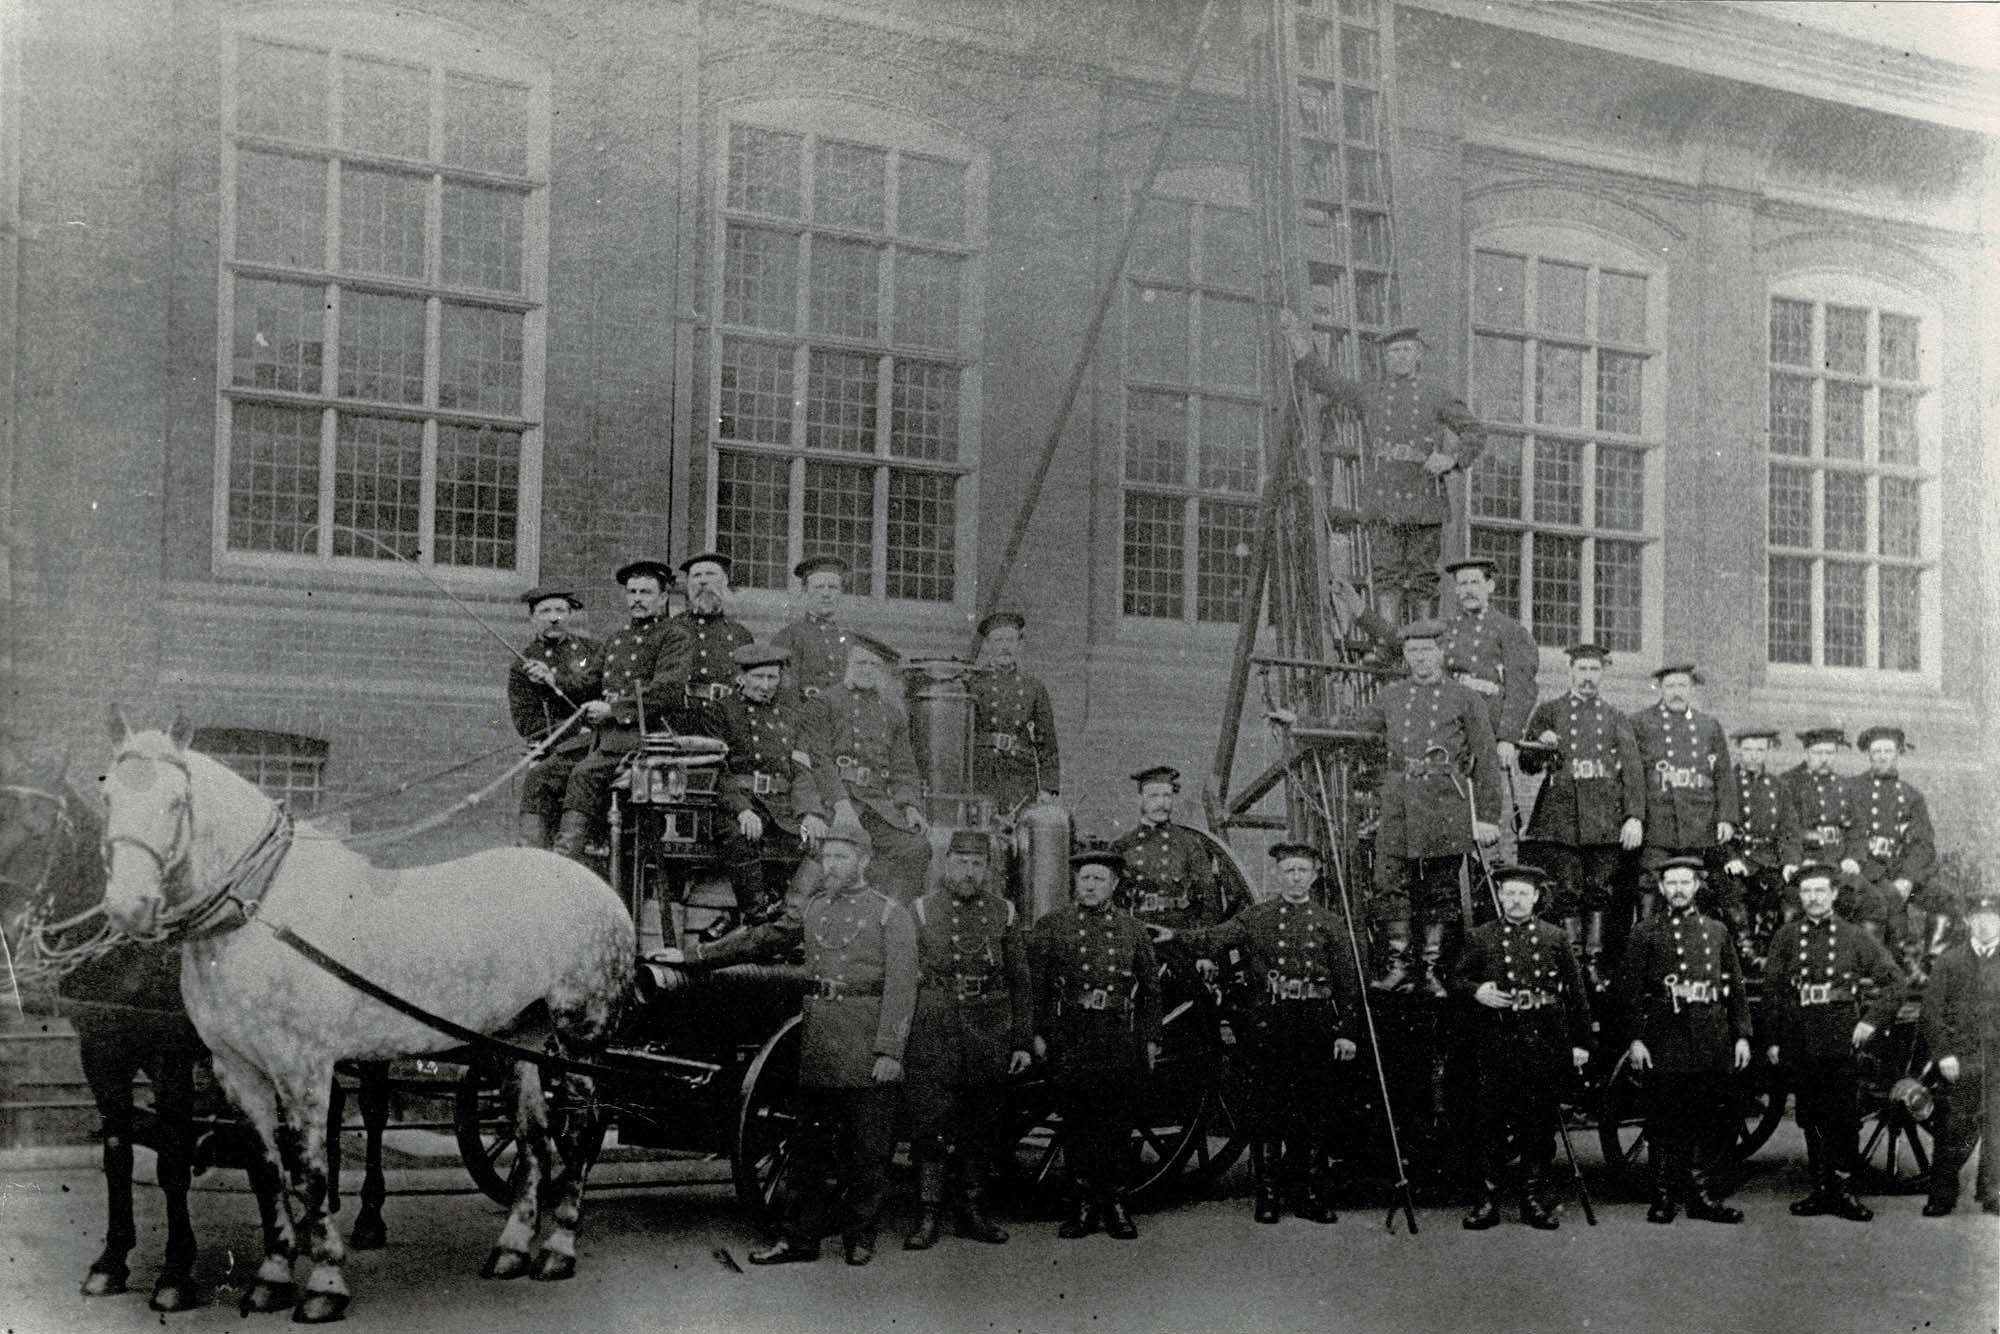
[(236, 896)]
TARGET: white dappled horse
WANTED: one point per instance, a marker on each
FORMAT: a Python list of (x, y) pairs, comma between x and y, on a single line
[(514, 942)]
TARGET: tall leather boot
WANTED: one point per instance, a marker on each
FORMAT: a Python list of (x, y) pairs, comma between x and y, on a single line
[(1433, 960), (1533, 1212), (973, 1224), (1667, 1172), (746, 881), (1593, 952), (531, 830), (1815, 1203), (1397, 975), (1573, 928), (1839, 1187), (1701, 1203), (1261, 1167), (572, 834), (1485, 1211), (1084, 1217), (930, 1204)]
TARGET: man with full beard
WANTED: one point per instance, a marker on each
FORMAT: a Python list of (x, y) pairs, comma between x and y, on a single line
[(696, 670)]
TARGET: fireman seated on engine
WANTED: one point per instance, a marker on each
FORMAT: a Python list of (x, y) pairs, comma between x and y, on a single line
[(773, 805)]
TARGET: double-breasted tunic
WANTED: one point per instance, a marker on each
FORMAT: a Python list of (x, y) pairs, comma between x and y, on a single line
[(695, 667), (1435, 733), (1680, 989), (861, 950), (818, 646), (1890, 834), (1014, 750), (1097, 994), (1813, 995), (860, 748), (762, 771), (1596, 781), (1404, 420), (1300, 962), (1532, 962), (631, 661), (1820, 801), (1170, 878), (1685, 757), (537, 709), (975, 1003), (1961, 1012), (1767, 834), (1492, 655)]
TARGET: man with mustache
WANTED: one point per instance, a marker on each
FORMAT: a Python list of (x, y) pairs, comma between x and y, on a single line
[(556, 674), (1690, 805), (1818, 794), (1766, 850), (772, 803), (627, 705), (1014, 752), (696, 671), (858, 740), (1891, 849), (1591, 809)]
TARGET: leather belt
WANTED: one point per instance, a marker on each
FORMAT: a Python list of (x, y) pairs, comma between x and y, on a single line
[(1693, 993), (1526, 998), (972, 988), (833, 989), (1101, 999), (1154, 901), (1002, 742), (1823, 993), (851, 770), (763, 784), (1825, 835), (1297, 989), (713, 692)]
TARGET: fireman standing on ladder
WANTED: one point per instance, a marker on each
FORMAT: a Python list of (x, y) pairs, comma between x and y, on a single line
[(1405, 457)]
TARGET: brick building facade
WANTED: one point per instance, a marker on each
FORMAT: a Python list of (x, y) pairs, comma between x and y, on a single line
[(524, 289)]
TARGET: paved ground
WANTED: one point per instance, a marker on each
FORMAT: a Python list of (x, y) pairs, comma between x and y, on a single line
[(648, 1264)]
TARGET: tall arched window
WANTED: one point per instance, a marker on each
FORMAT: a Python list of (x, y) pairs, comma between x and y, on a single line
[(1193, 457), (1852, 441), (384, 223), (1568, 374), (845, 350)]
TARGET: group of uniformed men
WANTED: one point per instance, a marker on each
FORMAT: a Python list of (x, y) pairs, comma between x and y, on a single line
[(947, 994)]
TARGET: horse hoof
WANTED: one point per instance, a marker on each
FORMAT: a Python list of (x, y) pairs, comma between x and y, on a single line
[(174, 1294), (104, 1282), (262, 1298), (554, 1268), (320, 1308), (504, 1264), (370, 1234)]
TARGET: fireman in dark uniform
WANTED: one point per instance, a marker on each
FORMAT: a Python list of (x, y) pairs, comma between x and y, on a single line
[(1014, 752), (1961, 1031), (1819, 796), (1168, 878), (557, 673), (1439, 802), (1305, 1017), (1816, 1018), (1690, 804), (859, 743), (1591, 809), (626, 705), (974, 1026), (1766, 847), (1531, 1032), (1891, 847), (1405, 458), (1680, 990), (816, 640), (773, 801), (1097, 1024), (1492, 655), (861, 949), (696, 670)]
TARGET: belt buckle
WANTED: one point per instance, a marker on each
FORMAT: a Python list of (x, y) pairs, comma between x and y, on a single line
[(1003, 742), (1701, 991), (970, 988), (1096, 999), (1152, 901), (810, 692), (718, 691), (760, 783), (1295, 988), (1816, 993)]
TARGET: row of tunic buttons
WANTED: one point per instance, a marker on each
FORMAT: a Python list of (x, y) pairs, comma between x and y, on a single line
[(1805, 942), (1535, 969), (1702, 940)]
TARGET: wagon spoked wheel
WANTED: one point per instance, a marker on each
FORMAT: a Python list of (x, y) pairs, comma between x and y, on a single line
[(1180, 1141), (1896, 1151), (767, 1115), (484, 1126), (1621, 1123)]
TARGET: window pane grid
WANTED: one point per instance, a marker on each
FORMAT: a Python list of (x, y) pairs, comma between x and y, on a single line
[(1226, 534), (922, 551), (1849, 611), (384, 350), (867, 291), (1156, 437), (1559, 373), (1153, 545), (839, 519), (752, 499), (478, 496)]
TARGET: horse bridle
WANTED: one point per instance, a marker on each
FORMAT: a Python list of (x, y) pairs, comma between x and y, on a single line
[(183, 838)]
